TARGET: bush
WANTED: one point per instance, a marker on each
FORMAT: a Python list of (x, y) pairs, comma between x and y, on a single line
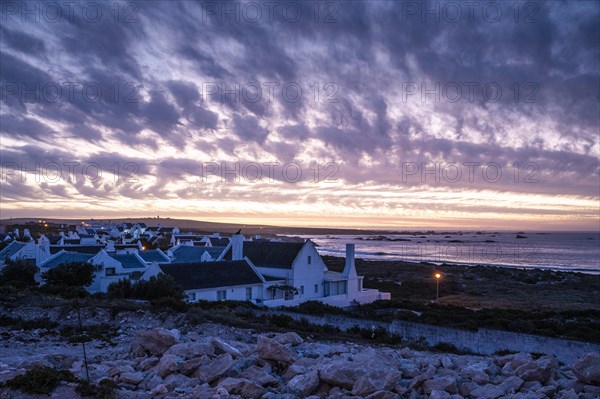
[(157, 287), (105, 389), (39, 380), (68, 275), (168, 303), (19, 274)]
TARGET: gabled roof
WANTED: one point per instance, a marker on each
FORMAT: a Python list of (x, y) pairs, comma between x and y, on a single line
[(154, 255), (53, 239), (202, 275), (129, 261), (73, 241), (218, 241), (187, 253), (142, 225), (66, 257), (11, 249), (82, 249), (277, 255)]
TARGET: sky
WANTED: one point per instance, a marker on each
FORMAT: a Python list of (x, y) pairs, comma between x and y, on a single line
[(391, 114)]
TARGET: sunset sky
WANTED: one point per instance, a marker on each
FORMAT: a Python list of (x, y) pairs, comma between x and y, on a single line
[(393, 114)]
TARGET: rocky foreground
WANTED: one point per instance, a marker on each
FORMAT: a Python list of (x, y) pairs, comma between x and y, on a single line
[(207, 360)]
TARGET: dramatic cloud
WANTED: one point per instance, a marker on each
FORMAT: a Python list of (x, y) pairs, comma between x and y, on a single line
[(380, 112)]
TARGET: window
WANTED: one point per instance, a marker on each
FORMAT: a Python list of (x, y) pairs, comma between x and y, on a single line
[(191, 296), (302, 290), (316, 288), (248, 293), (222, 295), (309, 259), (110, 271)]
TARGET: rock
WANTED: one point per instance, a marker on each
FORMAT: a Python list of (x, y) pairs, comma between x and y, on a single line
[(304, 384), (294, 370), (511, 384), (153, 342), (148, 363), (131, 377), (447, 384), (476, 372), (419, 379), (271, 350), (540, 370), (289, 338), (487, 391), (383, 395), (191, 350), (260, 375), (243, 387), (407, 353), (215, 368), (189, 366), (437, 394), (179, 381), (341, 373), (151, 382), (447, 362), (409, 369), (568, 394), (376, 380), (168, 364), (587, 368), (223, 347)]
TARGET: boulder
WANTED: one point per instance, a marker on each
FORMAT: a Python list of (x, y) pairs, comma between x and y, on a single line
[(223, 347), (419, 379), (376, 380), (488, 391), (167, 365), (153, 342), (191, 350), (289, 338), (133, 378), (304, 384), (243, 387), (447, 384), (341, 373), (383, 395), (437, 394), (178, 381), (539, 370), (215, 368), (270, 349), (587, 368), (260, 375)]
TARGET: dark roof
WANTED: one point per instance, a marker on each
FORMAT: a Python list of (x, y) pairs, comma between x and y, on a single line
[(11, 249), (218, 242), (272, 278), (278, 255), (154, 255), (202, 275), (82, 249), (142, 225), (53, 239), (188, 253), (66, 257), (129, 261)]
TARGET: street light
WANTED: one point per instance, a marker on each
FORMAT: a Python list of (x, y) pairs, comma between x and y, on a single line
[(437, 286)]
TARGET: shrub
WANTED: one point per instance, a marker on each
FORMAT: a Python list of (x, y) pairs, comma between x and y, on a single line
[(168, 303), (39, 380), (69, 275), (155, 287), (104, 389), (19, 274)]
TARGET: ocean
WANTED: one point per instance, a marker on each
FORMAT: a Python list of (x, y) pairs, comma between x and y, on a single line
[(572, 251)]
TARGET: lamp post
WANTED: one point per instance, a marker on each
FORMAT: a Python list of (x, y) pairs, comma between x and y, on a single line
[(437, 286)]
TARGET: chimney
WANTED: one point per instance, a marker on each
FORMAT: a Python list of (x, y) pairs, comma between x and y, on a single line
[(17, 232), (237, 247), (350, 268), (110, 246)]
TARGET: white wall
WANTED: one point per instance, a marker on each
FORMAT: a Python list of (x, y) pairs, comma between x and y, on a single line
[(233, 293), (307, 275)]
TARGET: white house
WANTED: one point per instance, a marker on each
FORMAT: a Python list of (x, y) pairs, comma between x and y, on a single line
[(214, 281), (18, 250), (295, 273)]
